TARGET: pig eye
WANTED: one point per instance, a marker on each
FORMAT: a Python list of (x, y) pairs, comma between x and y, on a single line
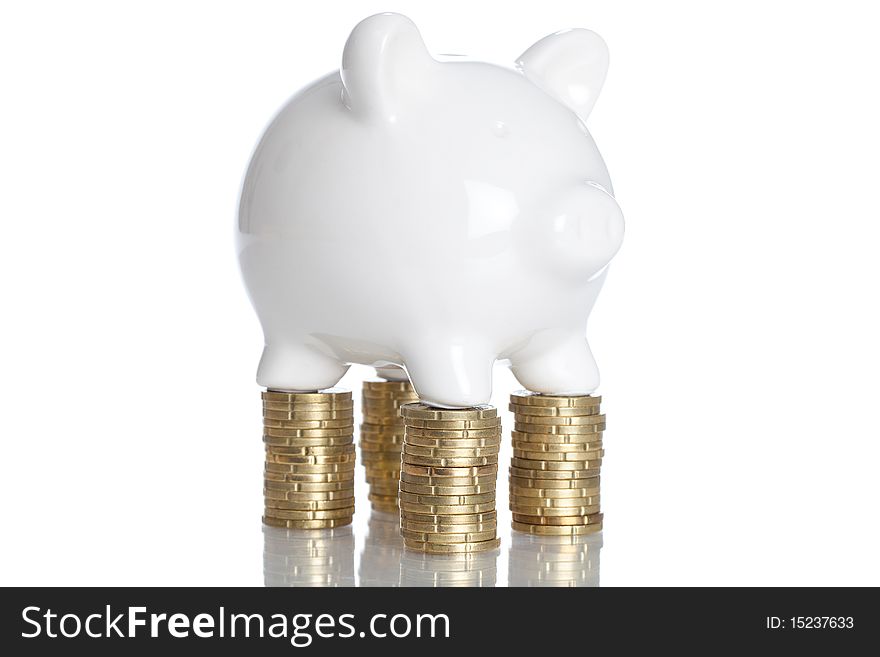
[(500, 129)]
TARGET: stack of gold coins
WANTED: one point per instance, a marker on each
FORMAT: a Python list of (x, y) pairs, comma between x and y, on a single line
[(557, 455), (554, 561), (309, 475), (449, 466), (382, 439), (317, 557)]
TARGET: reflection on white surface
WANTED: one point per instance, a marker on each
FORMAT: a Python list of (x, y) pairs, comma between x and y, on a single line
[(308, 557), (326, 558), (383, 548), (554, 560), (385, 562)]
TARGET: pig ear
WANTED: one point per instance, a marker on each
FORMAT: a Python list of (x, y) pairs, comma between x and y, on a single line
[(570, 66), (383, 65)]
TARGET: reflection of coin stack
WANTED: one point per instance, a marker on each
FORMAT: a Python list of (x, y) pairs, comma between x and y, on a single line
[(317, 557), (380, 557), (382, 438), (449, 465), (309, 475), (554, 560), (441, 570), (557, 455)]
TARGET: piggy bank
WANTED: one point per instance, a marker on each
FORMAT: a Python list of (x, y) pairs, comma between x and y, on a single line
[(429, 216)]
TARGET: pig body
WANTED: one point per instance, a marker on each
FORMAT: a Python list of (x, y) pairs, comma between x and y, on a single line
[(432, 216)]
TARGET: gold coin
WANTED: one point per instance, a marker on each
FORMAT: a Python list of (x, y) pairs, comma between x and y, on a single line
[(311, 450), (307, 441), (454, 434), (387, 475), (391, 488), (380, 448), (530, 464), (307, 496), (329, 514), (448, 538), (310, 505), (372, 440), (450, 462), (386, 396), (284, 427), (553, 474), (296, 468), (432, 528), (458, 519), (305, 416), (382, 437), (446, 509), (560, 521), (556, 447), (454, 442), (538, 399), (310, 486), (553, 411), (557, 530), (450, 452), (422, 480), (559, 456), (379, 466), (553, 512), (453, 425), (299, 478), (433, 471), (307, 406), (558, 428), (308, 432), (447, 500), (386, 405), (310, 460), (419, 489), (551, 439), (382, 499), (554, 496), (383, 496), (330, 394), (381, 482), (306, 524), (375, 426), (420, 411), (556, 484), (518, 503), (452, 548), (581, 420)]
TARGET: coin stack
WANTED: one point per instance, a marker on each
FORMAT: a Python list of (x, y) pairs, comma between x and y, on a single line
[(382, 439), (554, 561), (309, 475), (317, 557), (449, 466), (557, 455)]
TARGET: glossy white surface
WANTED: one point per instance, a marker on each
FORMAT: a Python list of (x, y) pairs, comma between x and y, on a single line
[(432, 215), (327, 558)]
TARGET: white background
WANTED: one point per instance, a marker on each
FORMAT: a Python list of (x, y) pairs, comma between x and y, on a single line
[(737, 333)]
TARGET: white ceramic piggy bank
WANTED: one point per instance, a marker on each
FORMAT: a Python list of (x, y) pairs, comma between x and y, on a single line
[(434, 216)]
